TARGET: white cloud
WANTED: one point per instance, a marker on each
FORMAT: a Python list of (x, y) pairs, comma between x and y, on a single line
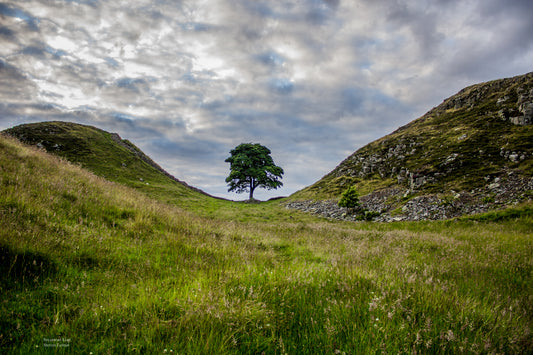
[(310, 78)]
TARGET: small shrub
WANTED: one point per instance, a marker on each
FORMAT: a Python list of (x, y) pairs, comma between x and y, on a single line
[(488, 199), (447, 201), (350, 198), (369, 215)]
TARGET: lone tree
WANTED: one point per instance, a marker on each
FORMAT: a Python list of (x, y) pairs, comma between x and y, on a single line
[(251, 166), (350, 199)]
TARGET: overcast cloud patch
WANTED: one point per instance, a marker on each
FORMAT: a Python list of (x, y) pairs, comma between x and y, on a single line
[(314, 80), (13, 11)]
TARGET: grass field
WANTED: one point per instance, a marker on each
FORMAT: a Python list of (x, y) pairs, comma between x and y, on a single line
[(90, 266)]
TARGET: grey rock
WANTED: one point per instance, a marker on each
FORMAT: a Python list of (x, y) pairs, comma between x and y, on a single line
[(509, 189)]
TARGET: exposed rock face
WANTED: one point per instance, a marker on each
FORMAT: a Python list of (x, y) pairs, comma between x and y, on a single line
[(457, 149), (524, 107), (498, 193), (328, 208), (391, 161)]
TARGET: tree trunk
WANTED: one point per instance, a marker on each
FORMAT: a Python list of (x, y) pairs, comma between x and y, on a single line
[(252, 188)]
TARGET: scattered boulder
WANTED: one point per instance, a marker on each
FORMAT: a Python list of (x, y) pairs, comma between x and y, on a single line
[(394, 204)]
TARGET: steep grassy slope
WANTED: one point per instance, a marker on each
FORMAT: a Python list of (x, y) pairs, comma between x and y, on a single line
[(88, 265), (476, 138), (105, 154), (118, 160)]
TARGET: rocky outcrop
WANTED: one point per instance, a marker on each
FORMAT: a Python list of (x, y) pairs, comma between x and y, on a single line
[(391, 157), (524, 108), (514, 95), (395, 204), (446, 163), (328, 209)]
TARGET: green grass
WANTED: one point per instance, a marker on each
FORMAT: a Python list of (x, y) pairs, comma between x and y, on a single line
[(105, 155), (94, 266)]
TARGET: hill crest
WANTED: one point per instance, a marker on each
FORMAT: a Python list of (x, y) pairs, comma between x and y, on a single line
[(105, 154), (472, 153)]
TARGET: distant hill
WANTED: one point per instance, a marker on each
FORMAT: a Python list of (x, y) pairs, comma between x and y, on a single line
[(472, 153), (105, 154)]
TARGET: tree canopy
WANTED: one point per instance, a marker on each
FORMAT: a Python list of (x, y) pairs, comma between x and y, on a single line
[(251, 166)]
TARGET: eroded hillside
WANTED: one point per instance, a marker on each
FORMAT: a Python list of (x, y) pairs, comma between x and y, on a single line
[(472, 153)]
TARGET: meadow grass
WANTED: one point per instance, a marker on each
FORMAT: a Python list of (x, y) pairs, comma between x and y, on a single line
[(93, 266)]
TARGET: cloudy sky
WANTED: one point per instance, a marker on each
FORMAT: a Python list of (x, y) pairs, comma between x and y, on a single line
[(313, 80)]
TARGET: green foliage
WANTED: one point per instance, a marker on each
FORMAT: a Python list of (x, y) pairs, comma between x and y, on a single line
[(524, 212), (488, 199), (367, 215), (350, 198), (106, 269), (251, 166)]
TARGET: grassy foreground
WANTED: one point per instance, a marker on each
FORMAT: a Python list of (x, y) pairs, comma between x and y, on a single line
[(89, 266)]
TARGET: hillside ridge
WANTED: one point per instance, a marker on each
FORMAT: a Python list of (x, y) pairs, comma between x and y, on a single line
[(139, 153), (104, 153), (470, 154)]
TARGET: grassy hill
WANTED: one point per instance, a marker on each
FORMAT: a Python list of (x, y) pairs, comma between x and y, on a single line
[(475, 140), (105, 154), (90, 265), (109, 156)]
